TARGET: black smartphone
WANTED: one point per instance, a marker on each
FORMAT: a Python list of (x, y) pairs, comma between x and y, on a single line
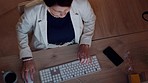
[(113, 56)]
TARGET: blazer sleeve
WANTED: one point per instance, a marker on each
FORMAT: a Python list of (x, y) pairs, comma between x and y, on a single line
[(24, 26), (89, 19)]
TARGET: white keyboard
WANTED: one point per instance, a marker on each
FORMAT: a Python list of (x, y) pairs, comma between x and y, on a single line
[(68, 71)]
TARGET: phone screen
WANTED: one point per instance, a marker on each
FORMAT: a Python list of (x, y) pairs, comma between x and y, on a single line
[(113, 56)]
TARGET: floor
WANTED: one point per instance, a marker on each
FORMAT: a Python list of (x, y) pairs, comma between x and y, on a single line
[(9, 16)]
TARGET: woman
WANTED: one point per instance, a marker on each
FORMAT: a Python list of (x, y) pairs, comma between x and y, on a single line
[(55, 23)]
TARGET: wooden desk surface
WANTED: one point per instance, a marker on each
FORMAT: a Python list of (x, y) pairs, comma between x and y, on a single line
[(135, 43)]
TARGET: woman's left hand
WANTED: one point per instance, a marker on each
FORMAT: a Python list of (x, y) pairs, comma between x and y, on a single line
[(83, 53)]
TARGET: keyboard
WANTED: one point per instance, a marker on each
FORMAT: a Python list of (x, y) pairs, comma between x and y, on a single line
[(69, 70)]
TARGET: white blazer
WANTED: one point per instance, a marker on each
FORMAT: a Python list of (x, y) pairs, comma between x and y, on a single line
[(35, 19)]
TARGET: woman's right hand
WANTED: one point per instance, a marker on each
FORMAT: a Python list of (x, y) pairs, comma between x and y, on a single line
[(28, 67)]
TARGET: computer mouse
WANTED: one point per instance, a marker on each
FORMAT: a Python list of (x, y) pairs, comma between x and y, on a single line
[(29, 79)]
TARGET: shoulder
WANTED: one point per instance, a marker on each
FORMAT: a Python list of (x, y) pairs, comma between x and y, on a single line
[(79, 2), (34, 8), (80, 5)]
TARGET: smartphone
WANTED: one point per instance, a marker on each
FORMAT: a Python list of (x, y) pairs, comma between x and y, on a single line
[(113, 56)]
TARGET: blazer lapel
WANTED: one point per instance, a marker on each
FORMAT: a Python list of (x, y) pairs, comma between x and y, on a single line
[(43, 24), (75, 18)]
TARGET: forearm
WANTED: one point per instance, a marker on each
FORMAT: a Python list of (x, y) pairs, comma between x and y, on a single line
[(23, 27), (89, 19), (24, 48)]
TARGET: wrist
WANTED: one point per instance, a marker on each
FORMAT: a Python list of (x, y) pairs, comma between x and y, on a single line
[(84, 45)]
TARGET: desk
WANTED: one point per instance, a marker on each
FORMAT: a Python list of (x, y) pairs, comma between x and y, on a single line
[(109, 74)]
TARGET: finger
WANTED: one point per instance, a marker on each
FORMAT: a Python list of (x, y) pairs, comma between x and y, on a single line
[(32, 73), (90, 59), (26, 75), (23, 75), (85, 61), (33, 70), (86, 58), (82, 56), (82, 60)]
